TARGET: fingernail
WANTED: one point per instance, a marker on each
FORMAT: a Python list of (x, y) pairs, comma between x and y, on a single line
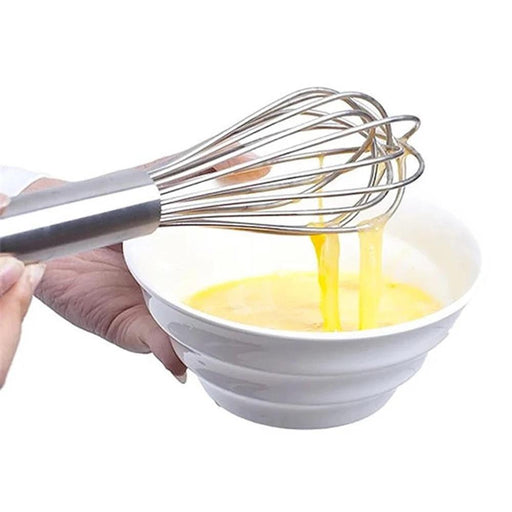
[(35, 274), (4, 201), (181, 378), (11, 270)]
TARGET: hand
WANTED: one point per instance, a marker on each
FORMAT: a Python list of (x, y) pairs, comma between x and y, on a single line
[(96, 292), (17, 284)]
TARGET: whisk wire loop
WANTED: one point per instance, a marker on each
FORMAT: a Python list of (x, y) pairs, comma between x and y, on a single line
[(273, 166), (314, 161)]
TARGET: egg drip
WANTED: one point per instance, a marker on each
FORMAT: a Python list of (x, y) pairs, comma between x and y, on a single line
[(326, 300)]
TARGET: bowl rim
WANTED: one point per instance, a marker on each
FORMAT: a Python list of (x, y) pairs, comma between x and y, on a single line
[(338, 336), (377, 332)]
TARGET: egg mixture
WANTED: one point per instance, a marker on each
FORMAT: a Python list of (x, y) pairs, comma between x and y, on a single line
[(325, 300)]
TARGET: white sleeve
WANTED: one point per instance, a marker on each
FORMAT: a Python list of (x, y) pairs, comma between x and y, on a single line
[(13, 180)]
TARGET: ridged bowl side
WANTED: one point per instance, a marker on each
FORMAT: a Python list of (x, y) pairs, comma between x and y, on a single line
[(281, 382)]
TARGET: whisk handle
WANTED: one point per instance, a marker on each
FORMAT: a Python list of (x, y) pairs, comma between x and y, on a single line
[(80, 216)]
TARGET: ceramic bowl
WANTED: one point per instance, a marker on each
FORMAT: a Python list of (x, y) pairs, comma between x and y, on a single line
[(299, 379)]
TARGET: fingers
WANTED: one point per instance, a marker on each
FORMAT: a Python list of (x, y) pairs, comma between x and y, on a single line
[(241, 176), (17, 285), (160, 344), (230, 179), (14, 303), (4, 201), (140, 333), (11, 270)]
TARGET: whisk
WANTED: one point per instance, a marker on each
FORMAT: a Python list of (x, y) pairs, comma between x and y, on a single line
[(314, 161)]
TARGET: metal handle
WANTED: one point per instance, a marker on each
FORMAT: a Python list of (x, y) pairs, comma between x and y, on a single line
[(80, 216)]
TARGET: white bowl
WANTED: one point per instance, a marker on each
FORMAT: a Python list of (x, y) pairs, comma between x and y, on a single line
[(299, 379)]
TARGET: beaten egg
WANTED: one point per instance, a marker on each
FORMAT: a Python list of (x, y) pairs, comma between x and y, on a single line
[(322, 301)]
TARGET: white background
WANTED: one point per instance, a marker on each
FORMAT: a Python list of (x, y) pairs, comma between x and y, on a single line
[(89, 87)]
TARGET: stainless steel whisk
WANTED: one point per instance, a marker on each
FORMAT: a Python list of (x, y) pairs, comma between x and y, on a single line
[(315, 161)]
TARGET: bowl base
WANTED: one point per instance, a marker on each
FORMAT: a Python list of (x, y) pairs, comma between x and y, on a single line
[(296, 416)]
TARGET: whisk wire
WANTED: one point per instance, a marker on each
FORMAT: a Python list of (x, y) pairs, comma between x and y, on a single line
[(282, 183)]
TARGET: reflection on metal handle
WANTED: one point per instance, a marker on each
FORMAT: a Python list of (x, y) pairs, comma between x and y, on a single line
[(80, 216)]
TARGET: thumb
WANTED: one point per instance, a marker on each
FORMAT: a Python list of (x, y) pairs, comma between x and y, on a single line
[(142, 329), (13, 307)]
